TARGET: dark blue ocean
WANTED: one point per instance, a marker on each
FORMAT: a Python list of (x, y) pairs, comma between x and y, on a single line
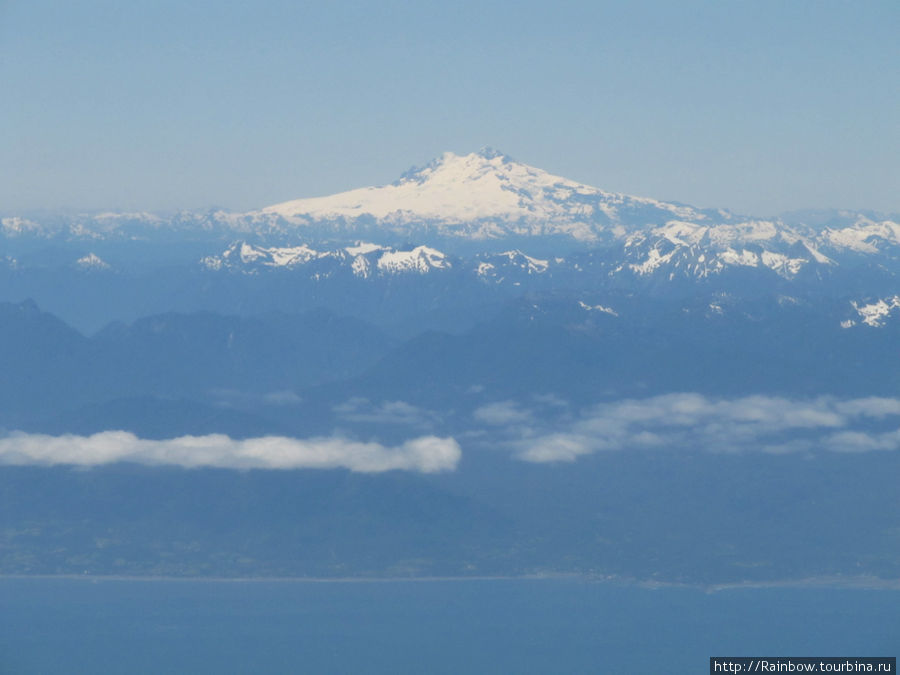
[(477, 626)]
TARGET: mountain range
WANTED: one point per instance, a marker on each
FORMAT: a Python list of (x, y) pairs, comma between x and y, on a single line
[(479, 197), (627, 386), (481, 228)]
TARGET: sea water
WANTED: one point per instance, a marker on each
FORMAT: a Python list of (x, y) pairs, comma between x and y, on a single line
[(66, 625)]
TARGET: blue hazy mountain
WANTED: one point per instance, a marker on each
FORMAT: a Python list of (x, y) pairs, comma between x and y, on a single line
[(436, 247), (551, 344), (49, 367), (633, 387)]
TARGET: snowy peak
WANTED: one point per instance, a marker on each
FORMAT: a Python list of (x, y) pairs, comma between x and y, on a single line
[(453, 166), (479, 185), (421, 259), (487, 195), (15, 226), (864, 236), (683, 249), (489, 200), (92, 262), (362, 259)]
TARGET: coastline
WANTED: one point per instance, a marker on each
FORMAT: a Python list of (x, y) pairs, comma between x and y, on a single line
[(823, 582)]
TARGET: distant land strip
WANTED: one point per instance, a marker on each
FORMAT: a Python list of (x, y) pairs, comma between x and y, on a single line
[(862, 582)]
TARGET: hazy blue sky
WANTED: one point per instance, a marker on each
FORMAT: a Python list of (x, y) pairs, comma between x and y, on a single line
[(756, 106)]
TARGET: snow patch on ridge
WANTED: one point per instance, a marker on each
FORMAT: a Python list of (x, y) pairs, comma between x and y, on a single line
[(526, 262), (597, 308), (421, 259), (361, 248), (92, 262), (864, 235), (742, 258), (782, 264), (874, 314), (17, 226), (363, 259), (654, 260)]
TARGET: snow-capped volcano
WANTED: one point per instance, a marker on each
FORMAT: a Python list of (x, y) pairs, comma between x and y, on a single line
[(487, 194), (486, 202)]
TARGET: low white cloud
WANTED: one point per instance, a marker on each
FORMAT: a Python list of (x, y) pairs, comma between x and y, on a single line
[(557, 447), (502, 413), (550, 400), (285, 397), (362, 410), (857, 441), (752, 423), (235, 398), (870, 407), (427, 454)]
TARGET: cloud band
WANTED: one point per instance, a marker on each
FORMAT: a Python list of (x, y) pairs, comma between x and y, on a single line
[(426, 454), (752, 423)]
